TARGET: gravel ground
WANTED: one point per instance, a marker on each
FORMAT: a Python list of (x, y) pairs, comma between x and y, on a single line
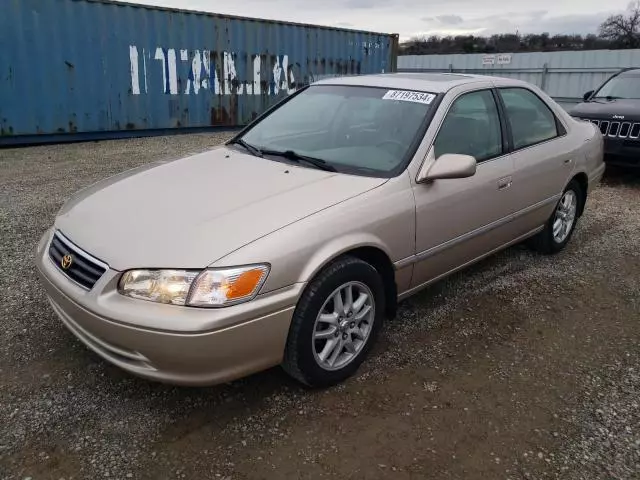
[(522, 367)]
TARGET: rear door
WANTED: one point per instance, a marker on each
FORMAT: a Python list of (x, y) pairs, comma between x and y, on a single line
[(542, 156)]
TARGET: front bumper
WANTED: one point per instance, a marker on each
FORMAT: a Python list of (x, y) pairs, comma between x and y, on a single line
[(177, 345), (622, 152)]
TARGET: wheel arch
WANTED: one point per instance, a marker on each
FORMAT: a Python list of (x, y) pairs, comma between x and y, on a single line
[(371, 252), (382, 263), (583, 180)]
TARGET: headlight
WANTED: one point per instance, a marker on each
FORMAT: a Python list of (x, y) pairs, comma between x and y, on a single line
[(214, 287)]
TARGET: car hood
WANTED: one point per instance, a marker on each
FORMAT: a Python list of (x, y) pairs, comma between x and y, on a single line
[(605, 110), (188, 213)]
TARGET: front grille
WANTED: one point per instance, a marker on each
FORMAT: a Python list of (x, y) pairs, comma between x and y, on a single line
[(82, 268), (617, 129), (624, 129)]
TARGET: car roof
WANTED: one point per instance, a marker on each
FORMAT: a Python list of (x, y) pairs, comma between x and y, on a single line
[(427, 82)]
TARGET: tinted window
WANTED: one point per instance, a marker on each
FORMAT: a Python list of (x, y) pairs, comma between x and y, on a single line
[(471, 127), (530, 119), (355, 129)]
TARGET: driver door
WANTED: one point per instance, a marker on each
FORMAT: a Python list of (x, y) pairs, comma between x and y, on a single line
[(460, 220)]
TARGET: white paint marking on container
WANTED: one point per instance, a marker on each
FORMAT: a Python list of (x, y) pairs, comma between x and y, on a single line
[(218, 74), (135, 74), (409, 96), (230, 75), (285, 71), (206, 58), (292, 80), (257, 71), (210, 72), (144, 63), (277, 73), (196, 70), (184, 57), (173, 71), (288, 76), (160, 56), (217, 89), (194, 78)]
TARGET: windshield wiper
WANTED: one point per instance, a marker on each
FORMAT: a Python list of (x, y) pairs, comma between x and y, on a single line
[(609, 98), (254, 150), (296, 157)]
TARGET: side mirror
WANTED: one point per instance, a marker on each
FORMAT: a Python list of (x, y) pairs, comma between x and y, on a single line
[(449, 165), (587, 95)]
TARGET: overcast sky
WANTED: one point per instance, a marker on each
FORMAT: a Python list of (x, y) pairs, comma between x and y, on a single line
[(417, 17)]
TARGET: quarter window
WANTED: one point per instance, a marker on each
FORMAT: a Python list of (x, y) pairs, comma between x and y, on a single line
[(531, 120), (471, 127)]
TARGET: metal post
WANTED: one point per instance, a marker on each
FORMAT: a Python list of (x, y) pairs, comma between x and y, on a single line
[(543, 82)]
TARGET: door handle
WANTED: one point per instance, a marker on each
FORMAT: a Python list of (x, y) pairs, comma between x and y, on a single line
[(504, 183), (567, 161)]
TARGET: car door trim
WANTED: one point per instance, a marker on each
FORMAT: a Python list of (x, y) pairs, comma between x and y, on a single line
[(418, 257), (505, 127), (417, 288)]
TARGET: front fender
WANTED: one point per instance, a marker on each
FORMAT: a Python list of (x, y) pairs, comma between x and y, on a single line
[(337, 247), (383, 218)]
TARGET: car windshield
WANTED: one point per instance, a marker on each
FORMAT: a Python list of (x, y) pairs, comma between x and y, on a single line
[(621, 87), (352, 129)]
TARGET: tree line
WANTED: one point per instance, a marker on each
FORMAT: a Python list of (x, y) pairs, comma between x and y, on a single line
[(616, 32)]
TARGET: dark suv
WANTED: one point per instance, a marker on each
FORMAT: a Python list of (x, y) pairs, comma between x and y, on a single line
[(615, 108)]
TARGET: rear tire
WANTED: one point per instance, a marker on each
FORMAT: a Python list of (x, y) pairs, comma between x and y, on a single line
[(561, 225), (335, 324)]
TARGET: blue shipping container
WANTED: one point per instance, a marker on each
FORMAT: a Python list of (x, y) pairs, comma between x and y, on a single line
[(77, 69)]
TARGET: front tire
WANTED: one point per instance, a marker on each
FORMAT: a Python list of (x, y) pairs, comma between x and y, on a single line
[(335, 323), (560, 226)]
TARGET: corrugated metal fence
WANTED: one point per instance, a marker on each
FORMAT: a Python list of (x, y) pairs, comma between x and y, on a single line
[(78, 69), (565, 76)]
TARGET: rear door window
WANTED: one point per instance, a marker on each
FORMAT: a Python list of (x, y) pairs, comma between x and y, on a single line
[(530, 119)]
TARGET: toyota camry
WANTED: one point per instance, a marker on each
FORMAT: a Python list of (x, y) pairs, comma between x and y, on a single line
[(293, 242)]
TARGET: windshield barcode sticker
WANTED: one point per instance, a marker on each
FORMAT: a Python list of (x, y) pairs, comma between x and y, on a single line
[(409, 96)]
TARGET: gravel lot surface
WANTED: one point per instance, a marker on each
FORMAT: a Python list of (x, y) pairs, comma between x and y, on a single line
[(523, 367)]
